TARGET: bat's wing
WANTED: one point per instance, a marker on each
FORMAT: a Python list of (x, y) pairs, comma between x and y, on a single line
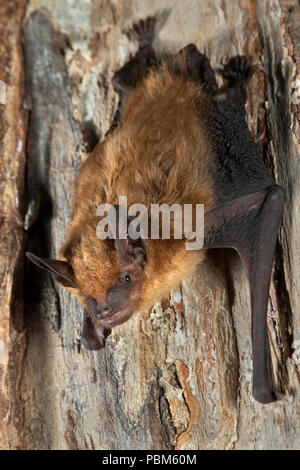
[(250, 224)]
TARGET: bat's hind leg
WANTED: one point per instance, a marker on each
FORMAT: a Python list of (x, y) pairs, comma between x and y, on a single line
[(137, 67)]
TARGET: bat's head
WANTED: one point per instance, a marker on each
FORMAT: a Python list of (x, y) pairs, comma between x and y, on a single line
[(107, 276)]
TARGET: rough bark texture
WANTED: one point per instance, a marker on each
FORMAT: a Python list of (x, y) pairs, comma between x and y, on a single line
[(180, 375), (12, 150)]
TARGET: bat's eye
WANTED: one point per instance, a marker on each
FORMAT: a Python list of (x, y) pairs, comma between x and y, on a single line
[(126, 278)]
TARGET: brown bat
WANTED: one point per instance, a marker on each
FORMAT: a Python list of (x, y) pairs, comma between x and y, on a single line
[(176, 138)]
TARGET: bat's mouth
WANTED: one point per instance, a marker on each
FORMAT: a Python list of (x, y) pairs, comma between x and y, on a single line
[(112, 318), (94, 334)]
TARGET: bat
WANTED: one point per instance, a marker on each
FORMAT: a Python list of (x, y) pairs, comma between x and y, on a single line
[(176, 137)]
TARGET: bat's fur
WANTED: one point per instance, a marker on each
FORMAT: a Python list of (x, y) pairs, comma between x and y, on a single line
[(159, 153)]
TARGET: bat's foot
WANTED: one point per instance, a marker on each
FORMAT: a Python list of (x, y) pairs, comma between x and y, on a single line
[(137, 67), (143, 31), (239, 69), (237, 74)]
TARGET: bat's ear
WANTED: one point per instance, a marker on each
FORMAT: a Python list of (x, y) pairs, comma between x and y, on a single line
[(129, 249), (61, 270)]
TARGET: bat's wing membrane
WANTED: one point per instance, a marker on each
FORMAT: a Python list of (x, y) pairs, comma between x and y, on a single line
[(250, 224)]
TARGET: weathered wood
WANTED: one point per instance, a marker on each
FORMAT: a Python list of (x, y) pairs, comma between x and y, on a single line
[(180, 375), (13, 121)]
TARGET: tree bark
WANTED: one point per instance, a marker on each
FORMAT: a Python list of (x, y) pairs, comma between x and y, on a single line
[(179, 376)]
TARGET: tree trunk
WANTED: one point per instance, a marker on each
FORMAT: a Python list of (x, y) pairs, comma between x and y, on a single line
[(178, 376)]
